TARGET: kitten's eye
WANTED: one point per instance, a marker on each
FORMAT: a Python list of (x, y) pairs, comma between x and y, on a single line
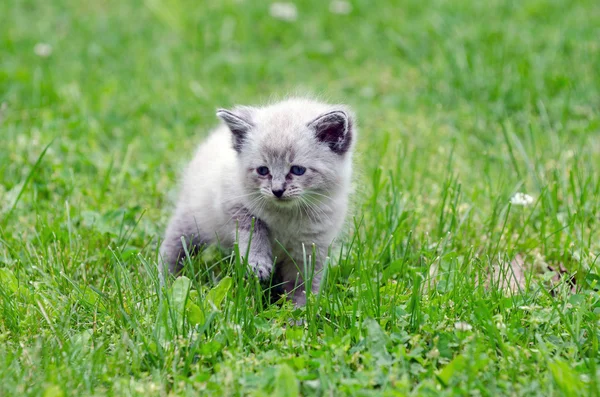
[(297, 170), (262, 171)]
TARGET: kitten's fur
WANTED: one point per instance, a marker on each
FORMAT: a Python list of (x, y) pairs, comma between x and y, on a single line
[(223, 194)]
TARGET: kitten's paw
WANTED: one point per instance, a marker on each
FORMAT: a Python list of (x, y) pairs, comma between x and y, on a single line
[(262, 269), (262, 273), (299, 299)]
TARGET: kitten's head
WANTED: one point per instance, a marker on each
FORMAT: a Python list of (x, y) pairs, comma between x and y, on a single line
[(293, 151)]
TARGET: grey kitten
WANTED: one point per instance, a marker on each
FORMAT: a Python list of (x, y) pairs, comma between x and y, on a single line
[(282, 170)]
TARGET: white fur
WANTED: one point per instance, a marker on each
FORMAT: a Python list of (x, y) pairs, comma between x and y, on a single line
[(219, 181)]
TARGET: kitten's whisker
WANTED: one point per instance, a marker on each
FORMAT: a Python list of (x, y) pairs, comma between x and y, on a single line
[(227, 200), (310, 208), (300, 207), (317, 209), (320, 205), (256, 204), (308, 212), (245, 208), (311, 192), (261, 204)]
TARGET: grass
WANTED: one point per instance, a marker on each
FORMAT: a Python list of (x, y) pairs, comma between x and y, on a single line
[(461, 104)]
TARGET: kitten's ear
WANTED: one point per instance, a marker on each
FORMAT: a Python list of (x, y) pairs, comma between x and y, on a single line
[(335, 129), (238, 121)]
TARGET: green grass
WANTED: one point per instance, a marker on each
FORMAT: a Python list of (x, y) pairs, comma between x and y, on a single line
[(460, 105)]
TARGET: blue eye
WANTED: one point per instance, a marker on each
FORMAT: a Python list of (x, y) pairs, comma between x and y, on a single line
[(262, 171), (297, 170)]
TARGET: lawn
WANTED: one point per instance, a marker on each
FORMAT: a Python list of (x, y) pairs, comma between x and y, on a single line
[(444, 286)]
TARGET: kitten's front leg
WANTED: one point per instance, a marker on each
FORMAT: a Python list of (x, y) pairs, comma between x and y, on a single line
[(297, 276), (314, 279), (253, 240)]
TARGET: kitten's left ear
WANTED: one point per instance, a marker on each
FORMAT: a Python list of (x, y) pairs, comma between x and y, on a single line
[(335, 129), (239, 122)]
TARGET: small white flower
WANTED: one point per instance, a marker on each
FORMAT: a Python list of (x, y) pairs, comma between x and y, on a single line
[(284, 11), (340, 7), (43, 50), (521, 199), (462, 326)]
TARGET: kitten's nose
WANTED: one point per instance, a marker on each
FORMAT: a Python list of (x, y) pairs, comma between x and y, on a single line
[(278, 193)]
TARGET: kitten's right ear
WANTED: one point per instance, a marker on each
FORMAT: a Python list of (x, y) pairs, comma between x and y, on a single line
[(239, 125)]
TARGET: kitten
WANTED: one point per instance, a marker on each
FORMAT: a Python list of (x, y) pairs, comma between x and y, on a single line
[(284, 171)]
